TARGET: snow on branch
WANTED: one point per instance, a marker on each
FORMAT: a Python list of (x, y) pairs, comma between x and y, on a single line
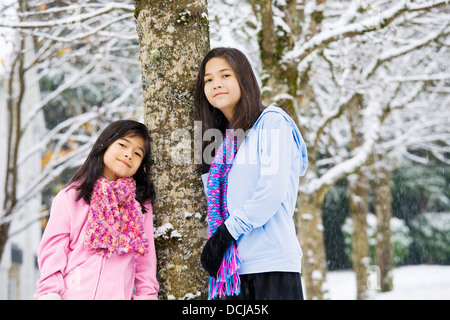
[(420, 77), (69, 20), (75, 7), (358, 158), (67, 84), (83, 35), (303, 49), (361, 156), (399, 51)]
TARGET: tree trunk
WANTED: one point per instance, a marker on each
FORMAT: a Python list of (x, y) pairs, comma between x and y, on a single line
[(16, 92), (173, 38), (358, 188), (358, 195), (383, 211), (310, 233), (278, 79)]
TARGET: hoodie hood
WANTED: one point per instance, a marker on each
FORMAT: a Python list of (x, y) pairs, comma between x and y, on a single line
[(295, 131)]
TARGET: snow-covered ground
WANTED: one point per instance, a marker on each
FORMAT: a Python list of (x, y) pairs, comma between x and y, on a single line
[(422, 282)]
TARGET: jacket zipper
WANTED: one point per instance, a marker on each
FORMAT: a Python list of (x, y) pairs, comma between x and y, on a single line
[(102, 264)]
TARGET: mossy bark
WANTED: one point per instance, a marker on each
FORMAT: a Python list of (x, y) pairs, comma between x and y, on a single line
[(173, 38)]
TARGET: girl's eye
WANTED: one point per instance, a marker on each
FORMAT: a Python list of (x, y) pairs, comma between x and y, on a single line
[(138, 154), (207, 80), (122, 145)]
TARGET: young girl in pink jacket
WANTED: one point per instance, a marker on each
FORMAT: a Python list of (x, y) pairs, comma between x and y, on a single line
[(98, 243)]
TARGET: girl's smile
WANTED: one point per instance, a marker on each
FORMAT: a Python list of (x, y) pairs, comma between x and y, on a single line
[(219, 93), (221, 87), (125, 163)]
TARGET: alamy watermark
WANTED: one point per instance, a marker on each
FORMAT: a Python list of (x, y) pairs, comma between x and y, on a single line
[(263, 148)]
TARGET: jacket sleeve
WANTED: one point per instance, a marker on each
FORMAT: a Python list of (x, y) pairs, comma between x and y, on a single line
[(276, 147), (53, 249), (146, 284)]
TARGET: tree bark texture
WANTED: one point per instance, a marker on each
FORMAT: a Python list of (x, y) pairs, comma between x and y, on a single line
[(310, 233), (358, 200), (173, 38), (383, 210), (358, 188), (277, 78)]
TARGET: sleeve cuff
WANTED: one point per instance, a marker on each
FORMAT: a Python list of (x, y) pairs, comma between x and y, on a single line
[(50, 296), (236, 226)]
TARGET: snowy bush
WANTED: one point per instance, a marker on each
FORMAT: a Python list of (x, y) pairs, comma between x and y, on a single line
[(431, 233), (400, 238)]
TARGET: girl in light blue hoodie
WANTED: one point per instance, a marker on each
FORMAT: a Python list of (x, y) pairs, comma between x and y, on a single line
[(251, 177)]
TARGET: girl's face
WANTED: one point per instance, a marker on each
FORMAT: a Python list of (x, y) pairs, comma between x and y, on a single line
[(221, 86), (123, 157)]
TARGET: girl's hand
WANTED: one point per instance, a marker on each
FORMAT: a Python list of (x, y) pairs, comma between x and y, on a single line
[(214, 250)]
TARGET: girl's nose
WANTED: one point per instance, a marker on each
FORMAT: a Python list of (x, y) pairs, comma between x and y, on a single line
[(217, 85)]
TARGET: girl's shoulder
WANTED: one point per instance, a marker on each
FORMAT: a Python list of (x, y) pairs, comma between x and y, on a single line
[(66, 209), (67, 194), (70, 190), (273, 117)]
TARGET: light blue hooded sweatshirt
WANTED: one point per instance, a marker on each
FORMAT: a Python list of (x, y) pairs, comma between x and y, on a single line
[(262, 192)]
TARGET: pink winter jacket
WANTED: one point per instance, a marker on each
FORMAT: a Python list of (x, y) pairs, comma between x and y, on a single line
[(72, 272)]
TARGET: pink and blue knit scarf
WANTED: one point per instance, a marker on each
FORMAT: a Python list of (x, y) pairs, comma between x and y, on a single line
[(227, 281)]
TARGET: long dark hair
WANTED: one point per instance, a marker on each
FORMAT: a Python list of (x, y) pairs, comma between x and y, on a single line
[(84, 179), (249, 107)]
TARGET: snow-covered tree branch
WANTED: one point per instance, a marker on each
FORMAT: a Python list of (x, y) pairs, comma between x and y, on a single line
[(72, 15), (374, 22)]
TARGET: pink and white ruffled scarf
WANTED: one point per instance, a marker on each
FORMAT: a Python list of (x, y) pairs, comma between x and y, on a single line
[(115, 220)]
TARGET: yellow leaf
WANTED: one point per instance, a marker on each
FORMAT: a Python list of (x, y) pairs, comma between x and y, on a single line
[(46, 158), (89, 128)]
